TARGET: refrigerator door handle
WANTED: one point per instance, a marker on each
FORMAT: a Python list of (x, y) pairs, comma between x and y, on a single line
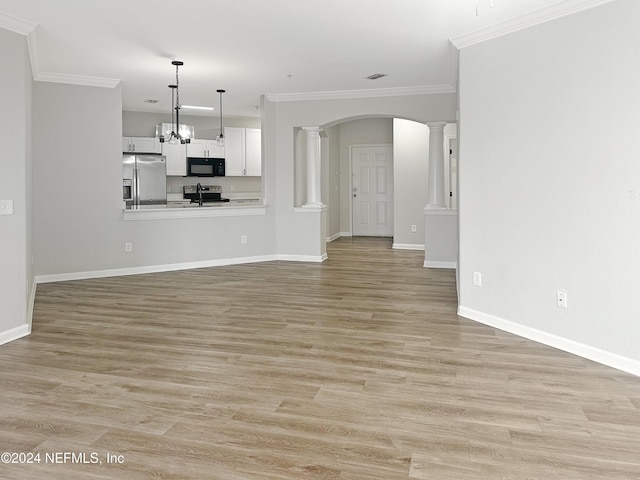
[(136, 188)]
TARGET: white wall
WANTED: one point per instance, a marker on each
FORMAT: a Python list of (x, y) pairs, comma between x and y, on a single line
[(550, 182), (16, 275), (79, 224), (410, 163)]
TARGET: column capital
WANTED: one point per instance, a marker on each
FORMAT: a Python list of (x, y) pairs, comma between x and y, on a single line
[(436, 125), (312, 129)]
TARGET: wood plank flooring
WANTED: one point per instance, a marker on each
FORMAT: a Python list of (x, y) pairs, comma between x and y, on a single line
[(356, 368)]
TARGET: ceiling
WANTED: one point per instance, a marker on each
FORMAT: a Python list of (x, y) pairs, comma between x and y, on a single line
[(287, 49)]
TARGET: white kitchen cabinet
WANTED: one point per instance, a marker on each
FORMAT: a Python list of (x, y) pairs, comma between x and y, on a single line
[(176, 155), (140, 145), (204, 148), (243, 152)]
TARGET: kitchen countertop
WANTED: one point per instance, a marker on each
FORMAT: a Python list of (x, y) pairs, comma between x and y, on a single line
[(185, 209)]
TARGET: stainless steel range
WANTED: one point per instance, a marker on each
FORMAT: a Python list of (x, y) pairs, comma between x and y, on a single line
[(203, 193)]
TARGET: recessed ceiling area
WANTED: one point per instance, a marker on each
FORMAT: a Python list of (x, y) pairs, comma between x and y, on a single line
[(282, 48)]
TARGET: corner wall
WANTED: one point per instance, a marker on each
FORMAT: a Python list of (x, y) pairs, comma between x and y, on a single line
[(16, 274), (551, 200)]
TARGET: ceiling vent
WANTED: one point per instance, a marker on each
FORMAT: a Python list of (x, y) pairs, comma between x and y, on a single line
[(376, 76)]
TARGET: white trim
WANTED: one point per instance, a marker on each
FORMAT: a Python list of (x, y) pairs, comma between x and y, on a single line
[(34, 57), (536, 17), (367, 93), (32, 302), (75, 79), (15, 334), (407, 246), (310, 209), (333, 237), (613, 360), (192, 212), (346, 234), (16, 24), (118, 272), (302, 258), (434, 264), (429, 210)]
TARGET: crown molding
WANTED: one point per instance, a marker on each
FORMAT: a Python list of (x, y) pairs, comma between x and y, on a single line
[(367, 93), (16, 25), (536, 17), (28, 29), (76, 79)]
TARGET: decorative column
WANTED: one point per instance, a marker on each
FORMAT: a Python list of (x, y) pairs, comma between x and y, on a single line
[(435, 181), (313, 167), (440, 223)]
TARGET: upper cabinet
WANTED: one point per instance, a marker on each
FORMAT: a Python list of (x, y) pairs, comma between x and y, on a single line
[(243, 152), (204, 148), (141, 145), (176, 156)]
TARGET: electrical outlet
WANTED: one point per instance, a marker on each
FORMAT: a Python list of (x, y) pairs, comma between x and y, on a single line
[(243, 239), (561, 299), (414, 229), (477, 279), (128, 247)]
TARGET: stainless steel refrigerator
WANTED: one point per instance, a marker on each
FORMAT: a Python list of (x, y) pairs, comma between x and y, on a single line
[(144, 179)]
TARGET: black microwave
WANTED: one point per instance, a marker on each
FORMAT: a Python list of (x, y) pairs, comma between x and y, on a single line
[(205, 167)]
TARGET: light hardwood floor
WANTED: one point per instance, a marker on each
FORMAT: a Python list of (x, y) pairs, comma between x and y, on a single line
[(357, 368)]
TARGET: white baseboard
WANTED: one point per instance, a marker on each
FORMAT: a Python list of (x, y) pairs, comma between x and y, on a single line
[(303, 258), (407, 246), (338, 235), (117, 272), (15, 333), (585, 351), (432, 264)]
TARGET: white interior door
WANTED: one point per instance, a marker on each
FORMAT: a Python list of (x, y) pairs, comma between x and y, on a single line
[(372, 190)]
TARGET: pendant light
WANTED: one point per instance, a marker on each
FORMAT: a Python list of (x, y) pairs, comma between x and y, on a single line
[(220, 137), (175, 136)]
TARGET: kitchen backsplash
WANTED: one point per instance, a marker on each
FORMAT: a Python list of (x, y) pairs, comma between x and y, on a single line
[(230, 185)]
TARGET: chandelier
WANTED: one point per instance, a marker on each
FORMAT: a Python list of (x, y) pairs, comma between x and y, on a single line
[(176, 136)]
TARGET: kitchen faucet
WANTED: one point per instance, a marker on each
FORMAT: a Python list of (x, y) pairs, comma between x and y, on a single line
[(199, 192)]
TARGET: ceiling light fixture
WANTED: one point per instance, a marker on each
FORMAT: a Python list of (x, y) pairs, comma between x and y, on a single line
[(220, 137), (176, 136), (376, 76)]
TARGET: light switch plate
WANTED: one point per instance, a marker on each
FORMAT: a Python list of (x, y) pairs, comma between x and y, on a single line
[(6, 207)]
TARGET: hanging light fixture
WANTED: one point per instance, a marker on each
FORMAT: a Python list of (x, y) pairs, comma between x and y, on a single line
[(220, 137), (175, 136)]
